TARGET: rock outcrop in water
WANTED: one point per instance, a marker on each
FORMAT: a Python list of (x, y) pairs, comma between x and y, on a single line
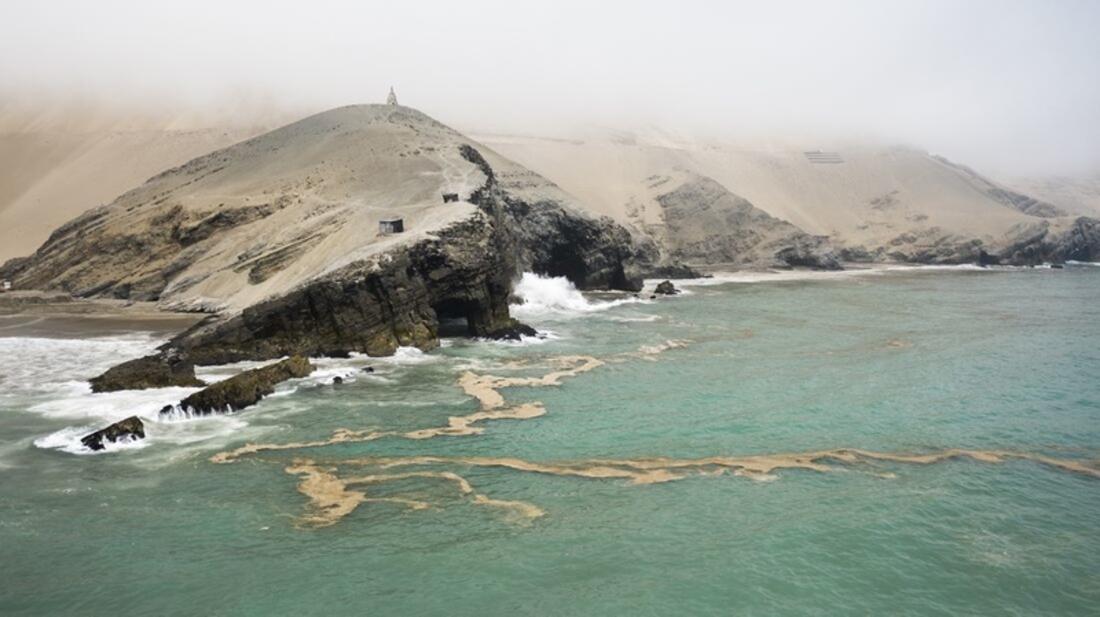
[(124, 430), (242, 390), (277, 238), (666, 288), (164, 370)]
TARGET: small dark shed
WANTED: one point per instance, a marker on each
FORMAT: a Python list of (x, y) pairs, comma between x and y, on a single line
[(449, 197), (391, 226)]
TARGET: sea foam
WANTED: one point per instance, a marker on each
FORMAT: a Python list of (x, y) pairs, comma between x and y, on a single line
[(545, 296)]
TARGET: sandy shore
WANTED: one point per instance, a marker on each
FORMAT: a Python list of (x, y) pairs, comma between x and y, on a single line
[(51, 315)]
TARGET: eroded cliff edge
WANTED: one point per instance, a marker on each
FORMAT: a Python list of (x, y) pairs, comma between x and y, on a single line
[(275, 238)]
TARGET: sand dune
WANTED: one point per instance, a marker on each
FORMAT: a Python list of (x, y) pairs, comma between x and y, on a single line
[(863, 195), (54, 166), (1076, 194), (57, 163)]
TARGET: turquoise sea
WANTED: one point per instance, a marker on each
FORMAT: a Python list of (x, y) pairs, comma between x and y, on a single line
[(555, 515)]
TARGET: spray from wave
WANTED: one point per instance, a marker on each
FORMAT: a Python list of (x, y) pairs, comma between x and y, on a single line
[(545, 296)]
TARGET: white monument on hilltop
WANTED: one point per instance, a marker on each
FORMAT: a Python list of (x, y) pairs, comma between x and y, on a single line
[(392, 98)]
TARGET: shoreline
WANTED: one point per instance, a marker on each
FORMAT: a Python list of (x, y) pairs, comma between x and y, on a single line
[(52, 315)]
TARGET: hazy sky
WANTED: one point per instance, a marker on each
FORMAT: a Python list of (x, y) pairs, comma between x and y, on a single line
[(1002, 85)]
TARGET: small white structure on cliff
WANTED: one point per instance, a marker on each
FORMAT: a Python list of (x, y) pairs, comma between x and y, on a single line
[(392, 98)]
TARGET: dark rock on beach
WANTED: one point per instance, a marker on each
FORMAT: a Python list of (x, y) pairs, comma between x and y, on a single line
[(666, 288), (157, 371), (242, 390), (675, 271), (128, 429)]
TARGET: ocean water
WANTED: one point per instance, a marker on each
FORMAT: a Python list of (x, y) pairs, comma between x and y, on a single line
[(741, 449)]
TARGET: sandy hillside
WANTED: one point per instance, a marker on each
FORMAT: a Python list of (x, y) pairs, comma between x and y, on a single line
[(1076, 194), (251, 221), (856, 194), (55, 164), (698, 221)]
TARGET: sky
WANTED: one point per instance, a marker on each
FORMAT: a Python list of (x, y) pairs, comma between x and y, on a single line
[(1011, 86)]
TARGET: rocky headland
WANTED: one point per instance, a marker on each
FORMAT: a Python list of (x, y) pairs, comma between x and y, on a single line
[(278, 240)]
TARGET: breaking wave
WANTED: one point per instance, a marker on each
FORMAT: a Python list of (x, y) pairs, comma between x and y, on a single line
[(173, 431), (38, 365), (555, 296)]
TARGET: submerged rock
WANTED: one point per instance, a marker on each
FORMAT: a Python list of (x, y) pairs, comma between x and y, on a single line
[(514, 331), (242, 390), (129, 429), (666, 288)]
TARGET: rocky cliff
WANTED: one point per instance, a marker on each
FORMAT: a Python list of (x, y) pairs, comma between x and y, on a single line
[(701, 222), (278, 238)]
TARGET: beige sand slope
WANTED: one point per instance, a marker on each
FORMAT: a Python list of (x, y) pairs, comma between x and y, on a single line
[(698, 221), (873, 196), (1075, 194), (249, 222), (55, 164)]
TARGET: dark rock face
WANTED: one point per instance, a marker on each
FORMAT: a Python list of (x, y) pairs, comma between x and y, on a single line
[(243, 390), (809, 252), (1082, 241), (934, 247), (666, 288), (157, 371), (548, 239), (675, 271), (857, 254), (128, 429), (1038, 243), (706, 223), (1026, 245), (373, 307), (87, 258)]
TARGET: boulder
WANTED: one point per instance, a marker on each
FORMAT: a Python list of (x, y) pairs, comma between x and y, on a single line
[(242, 390), (666, 288), (513, 331), (157, 371), (129, 429)]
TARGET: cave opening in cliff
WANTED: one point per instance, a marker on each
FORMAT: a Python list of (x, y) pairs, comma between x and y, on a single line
[(456, 317), (564, 261)]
